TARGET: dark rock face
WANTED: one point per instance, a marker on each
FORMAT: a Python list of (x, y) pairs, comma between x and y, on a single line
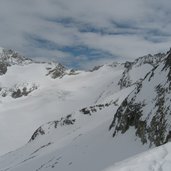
[(57, 72), (45, 129), (17, 94), (18, 90), (148, 107), (128, 65), (168, 65), (129, 114), (3, 68), (22, 92), (38, 132), (125, 81), (92, 109), (95, 68)]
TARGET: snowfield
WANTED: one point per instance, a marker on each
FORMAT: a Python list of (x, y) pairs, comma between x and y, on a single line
[(53, 98)]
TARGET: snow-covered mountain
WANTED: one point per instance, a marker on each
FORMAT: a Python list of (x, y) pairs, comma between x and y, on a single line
[(31, 96), (10, 57), (59, 118), (136, 70), (20, 75), (148, 107)]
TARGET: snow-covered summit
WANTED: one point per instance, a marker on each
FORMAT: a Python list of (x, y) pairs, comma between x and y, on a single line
[(150, 59), (10, 57)]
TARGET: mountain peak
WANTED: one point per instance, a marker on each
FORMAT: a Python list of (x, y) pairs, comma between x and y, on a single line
[(10, 57)]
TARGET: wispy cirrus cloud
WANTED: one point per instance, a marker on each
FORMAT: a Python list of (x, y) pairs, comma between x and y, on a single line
[(76, 32)]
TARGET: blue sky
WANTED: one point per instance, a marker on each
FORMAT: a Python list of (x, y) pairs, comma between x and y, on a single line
[(82, 33)]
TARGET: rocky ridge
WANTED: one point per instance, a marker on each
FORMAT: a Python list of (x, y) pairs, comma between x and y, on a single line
[(147, 108), (150, 61)]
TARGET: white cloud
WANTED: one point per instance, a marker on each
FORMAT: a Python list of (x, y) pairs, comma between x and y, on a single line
[(136, 27)]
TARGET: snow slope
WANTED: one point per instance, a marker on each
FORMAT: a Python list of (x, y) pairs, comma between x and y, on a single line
[(51, 99), (158, 159), (82, 144)]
